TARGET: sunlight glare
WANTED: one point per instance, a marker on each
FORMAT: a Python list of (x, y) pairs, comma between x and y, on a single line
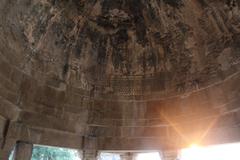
[(148, 156), (218, 152)]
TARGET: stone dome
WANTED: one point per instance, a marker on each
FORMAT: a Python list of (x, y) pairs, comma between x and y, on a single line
[(119, 74)]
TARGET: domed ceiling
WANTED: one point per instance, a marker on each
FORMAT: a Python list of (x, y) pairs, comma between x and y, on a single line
[(126, 47), (119, 74)]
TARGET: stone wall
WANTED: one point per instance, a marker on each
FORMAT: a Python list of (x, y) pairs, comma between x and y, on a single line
[(119, 75)]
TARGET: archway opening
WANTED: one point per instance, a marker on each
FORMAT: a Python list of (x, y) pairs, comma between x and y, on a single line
[(148, 156), (109, 156), (216, 152), (57, 153)]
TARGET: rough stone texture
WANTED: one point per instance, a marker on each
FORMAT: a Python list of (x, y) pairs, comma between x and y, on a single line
[(170, 155), (23, 151), (119, 75), (127, 156)]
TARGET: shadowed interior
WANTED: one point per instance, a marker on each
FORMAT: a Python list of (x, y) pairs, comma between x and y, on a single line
[(119, 74)]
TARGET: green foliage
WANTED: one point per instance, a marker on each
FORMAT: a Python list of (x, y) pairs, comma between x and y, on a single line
[(54, 153), (109, 156)]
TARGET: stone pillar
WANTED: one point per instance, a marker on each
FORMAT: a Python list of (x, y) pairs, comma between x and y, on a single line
[(4, 154), (8, 147), (23, 151), (89, 148), (127, 156), (89, 155), (170, 155)]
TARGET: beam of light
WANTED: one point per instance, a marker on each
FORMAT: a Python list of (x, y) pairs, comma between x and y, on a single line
[(209, 127), (173, 125), (181, 133), (148, 156), (218, 152)]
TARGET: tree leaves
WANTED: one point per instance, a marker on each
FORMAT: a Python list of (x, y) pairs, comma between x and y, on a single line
[(54, 153)]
